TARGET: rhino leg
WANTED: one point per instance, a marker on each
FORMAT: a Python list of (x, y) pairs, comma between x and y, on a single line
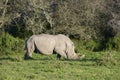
[(27, 57), (58, 56), (62, 53), (30, 50)]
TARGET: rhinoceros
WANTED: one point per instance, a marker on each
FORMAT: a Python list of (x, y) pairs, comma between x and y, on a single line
[(46, 44)]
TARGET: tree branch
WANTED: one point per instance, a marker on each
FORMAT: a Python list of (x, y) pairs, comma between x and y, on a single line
[(3, 14)]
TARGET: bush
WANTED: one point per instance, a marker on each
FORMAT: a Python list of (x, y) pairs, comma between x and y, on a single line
[(10, 45), (90, 45), (108, 59), (95, 22), (113, 43)]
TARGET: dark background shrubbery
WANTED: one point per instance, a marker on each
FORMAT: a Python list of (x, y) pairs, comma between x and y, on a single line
[(93, 24)]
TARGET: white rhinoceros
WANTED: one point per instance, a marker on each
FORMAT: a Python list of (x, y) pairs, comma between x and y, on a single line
[(46, 44)]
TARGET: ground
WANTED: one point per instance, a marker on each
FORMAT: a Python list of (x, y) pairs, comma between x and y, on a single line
[(14, 67)]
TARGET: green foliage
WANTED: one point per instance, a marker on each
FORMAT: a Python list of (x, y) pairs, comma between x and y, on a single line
[(10, 45), (96, 45), (43, 16), (108, 59), (117, 43), (113, 43), (89, 18), (90, 45)]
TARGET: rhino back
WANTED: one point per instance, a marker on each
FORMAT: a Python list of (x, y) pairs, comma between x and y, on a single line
[(61, 42)]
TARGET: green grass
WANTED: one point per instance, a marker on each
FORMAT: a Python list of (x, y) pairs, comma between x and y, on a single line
[(14, 67)]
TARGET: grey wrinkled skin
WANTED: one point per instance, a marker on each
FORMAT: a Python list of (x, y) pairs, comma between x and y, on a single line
[(46, 44)]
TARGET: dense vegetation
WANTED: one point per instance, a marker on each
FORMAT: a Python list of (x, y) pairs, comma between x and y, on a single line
[(91, 21), (93, 25)]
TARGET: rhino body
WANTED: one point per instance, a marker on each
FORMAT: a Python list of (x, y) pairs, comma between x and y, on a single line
[(46, 44)]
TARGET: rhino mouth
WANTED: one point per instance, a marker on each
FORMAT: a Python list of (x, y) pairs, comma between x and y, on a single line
[(81, 56)]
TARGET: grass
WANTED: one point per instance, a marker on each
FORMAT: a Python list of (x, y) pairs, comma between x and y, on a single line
[(14, 67)]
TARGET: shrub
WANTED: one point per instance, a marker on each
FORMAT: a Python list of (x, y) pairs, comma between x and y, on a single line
[(10, 45), (108, 59), (90, 45), (113, 43)]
